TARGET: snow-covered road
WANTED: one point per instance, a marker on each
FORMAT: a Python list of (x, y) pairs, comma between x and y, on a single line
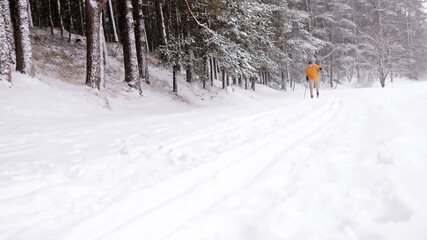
[(350, 165)]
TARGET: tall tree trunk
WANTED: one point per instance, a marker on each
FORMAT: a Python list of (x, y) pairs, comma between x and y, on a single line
[(215, 68), (104, 54), (381, 61), (287, 76), (174, 83), (5, 49), (223, 78), (408, 20), (205, 76), (61, 22), (151, 30), (189, 68), (30, 16), (22, 37), (93, 35), (103, 45), (70, 19), (82, 21), (253, 83), (211, 69), (10, 43), (141, 41), (113, 22), (356, 41), (49, 3), (161, 28), (307, 9), (331, 70), (36, 9), (129, 46), (379, 16)]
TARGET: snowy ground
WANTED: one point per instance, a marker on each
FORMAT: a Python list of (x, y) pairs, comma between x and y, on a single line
[(263, 165)]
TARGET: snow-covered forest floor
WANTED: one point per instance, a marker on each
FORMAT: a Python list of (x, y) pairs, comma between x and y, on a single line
[(208, 164)]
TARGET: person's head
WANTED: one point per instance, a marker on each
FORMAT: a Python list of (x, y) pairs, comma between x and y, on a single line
[(310, 62)]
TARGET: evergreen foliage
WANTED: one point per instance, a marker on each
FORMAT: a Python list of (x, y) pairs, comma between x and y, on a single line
[(270, 40)]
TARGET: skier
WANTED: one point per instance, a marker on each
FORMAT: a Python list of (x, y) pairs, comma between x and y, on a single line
[(312, 76)]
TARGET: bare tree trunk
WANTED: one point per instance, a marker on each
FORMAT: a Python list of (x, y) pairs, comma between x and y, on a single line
[(215, 68), (331, 71), (408, 19), (103, 54), (151, 31), (30, 16), (161, 28), (356, 41), (211, 70), (174, 83), (113, 22), (5, 49), (190, 68), (10, 43), (223, 79), (50, 16), (104, 50), (283, 80), (36, 9), (381, 66), (205, 76), (61, 22), (307, 9), (378, 10), (82, 22), (253, 83), (287, 76), (265, 78), (129, 46), (141, 41), (22, 37), (93, 31), (70, 19), (188, 50)]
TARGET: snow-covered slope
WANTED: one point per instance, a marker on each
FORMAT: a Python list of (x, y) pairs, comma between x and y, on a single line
[(78, 164)]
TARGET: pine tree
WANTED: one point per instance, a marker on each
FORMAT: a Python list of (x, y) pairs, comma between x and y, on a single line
[(22, 37), (5, 51), (141, 41), (94, 62), (129, 46)]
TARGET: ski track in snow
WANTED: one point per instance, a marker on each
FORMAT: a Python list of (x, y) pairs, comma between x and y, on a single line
[(176, 208), (264, 167)]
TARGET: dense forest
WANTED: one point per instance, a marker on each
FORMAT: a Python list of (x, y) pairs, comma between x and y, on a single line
[(243, 42)]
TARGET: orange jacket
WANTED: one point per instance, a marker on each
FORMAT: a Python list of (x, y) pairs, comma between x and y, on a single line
[(311, 71)]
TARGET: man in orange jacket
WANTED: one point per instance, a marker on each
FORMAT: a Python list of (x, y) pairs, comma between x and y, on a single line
[(312, 76)]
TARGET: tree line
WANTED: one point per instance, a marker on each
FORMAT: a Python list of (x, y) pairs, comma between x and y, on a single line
[(240, 42)]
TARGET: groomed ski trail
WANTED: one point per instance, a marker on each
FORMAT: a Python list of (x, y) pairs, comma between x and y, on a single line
[(171, 203)]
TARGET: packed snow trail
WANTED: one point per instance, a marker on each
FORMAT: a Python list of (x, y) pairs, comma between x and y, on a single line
[(349, 165), (361, 180)]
